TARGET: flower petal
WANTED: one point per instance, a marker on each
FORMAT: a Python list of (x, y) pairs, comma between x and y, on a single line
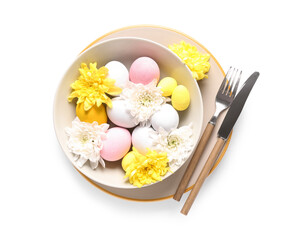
[(114, 90), (94, 165), (81, 161), (102, 162)]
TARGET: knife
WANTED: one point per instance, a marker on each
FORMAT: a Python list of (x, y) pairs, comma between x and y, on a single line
[(223, 133)]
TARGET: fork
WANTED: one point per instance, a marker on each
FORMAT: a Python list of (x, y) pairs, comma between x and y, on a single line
[(224, 98)]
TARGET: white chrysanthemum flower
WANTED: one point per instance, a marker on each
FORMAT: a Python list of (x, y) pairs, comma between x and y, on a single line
[(85, 142), (178, 144), (142, 101)]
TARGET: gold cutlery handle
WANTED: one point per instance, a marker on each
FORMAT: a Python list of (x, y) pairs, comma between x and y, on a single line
[(192, 165), (203, 175)]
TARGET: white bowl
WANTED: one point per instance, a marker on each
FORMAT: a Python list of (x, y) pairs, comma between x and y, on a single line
[(125, 50)]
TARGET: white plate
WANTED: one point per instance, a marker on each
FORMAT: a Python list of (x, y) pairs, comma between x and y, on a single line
[(166, 188), (125, 50)]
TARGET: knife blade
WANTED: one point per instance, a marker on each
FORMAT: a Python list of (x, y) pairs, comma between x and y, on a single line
[(236, 107), (223, 133)]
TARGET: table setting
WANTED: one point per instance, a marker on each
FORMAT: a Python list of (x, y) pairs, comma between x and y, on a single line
[(146, 113)]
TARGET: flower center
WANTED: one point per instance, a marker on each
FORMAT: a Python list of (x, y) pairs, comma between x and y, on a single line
[(145, 99), (173, 141), (84, 139)]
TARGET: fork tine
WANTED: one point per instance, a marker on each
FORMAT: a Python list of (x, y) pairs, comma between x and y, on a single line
[(225, 80), (233, 82), (229, 81), (235, 88)]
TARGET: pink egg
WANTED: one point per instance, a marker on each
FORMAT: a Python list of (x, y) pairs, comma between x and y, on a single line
[(144, 70), (116, 144)]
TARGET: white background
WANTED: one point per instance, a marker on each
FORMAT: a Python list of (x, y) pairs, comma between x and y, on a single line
[(257, 192)]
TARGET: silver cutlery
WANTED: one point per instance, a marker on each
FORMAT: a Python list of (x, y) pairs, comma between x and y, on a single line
[(224, 98), (223, 133)]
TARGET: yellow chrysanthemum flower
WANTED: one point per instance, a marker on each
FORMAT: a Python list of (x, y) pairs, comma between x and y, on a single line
[(146, 169), (197, 62), (92, 86)]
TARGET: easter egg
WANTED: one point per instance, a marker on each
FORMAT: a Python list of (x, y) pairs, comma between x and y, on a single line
[(141, 139), (144, 70), (127, 160), (118, 72), (167, 118), (167, 86), (95, 113), (116, 144), (181, 98), (120, 115)]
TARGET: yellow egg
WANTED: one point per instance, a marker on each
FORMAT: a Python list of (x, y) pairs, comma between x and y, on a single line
[(181, 98), (127, 160), (167, 85), (95, 113)]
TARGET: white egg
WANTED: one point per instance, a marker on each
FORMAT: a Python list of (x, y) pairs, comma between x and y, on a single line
[(119, 72), (141, 139), (166, 118), (120, 115)]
